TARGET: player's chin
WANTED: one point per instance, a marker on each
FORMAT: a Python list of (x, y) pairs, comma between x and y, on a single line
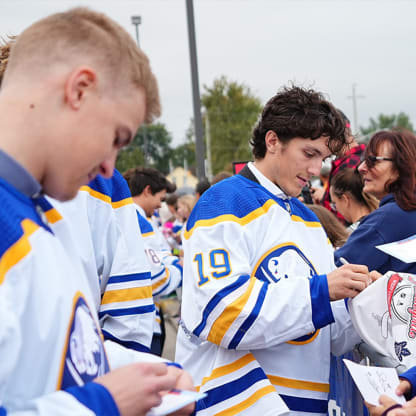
[(63, 193)]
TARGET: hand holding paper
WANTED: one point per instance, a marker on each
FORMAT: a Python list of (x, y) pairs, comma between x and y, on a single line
[(374, 382)]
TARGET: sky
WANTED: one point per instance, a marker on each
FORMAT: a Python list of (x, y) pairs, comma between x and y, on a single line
[(329, 45)]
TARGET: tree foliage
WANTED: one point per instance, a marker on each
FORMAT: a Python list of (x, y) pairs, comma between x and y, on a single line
[(150, 146), (232, 109), (387, 122)]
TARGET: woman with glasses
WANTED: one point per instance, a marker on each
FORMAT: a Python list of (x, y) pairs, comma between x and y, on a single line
[(349, 199), (388, 171)]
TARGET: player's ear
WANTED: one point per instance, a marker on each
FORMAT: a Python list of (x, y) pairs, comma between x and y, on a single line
[(147, 190), (80, 83), (272, 141)]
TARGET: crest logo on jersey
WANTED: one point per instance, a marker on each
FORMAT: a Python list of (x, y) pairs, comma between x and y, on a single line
[(84, 358), (280, 263), (283, 261)]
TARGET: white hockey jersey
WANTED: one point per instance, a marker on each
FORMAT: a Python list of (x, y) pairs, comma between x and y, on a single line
[(104, 234), (166, 272), (50, 338), (257, 325)]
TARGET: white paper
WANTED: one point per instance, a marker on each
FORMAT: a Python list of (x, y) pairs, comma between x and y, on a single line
[(174, 400), (375, 381), (404, 250)]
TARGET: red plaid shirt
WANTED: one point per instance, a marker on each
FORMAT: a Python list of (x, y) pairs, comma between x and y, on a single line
[(349, 160)]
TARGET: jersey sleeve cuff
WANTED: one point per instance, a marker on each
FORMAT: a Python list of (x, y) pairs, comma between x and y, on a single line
[(321, 305), (410, 376), (96, 397)]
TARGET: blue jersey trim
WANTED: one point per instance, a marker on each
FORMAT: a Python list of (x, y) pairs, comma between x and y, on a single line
[(159, 274), (301, 404), (250, 319), (116, 187), (136, 346), (145, 226), (128, 311), (178, 266), (321, 305), (96, 397), (121, 278), (173, 364), (229, 197), (235, 387), (410, 376), (217, 299)]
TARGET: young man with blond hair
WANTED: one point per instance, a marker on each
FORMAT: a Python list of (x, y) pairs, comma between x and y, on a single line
[(75, 90)]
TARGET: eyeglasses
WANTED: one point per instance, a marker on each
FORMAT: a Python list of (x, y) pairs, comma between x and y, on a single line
[(371, 160)]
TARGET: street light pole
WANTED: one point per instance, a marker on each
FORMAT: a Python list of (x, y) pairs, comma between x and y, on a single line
[(199, 134), (136, 21)]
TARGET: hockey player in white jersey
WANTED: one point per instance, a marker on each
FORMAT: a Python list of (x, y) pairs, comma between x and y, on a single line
[(259, 317), (62, 123), (148, 187)]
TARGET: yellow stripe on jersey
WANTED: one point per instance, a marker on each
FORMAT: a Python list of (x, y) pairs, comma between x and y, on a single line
[(238, 408), (148, 234), (161, 282), (313, 336), (53, 216), (229, 368), (125, 295), (299, 384), (230, 217), (229, 315), (18, 250), (106, 198), (312, 224)]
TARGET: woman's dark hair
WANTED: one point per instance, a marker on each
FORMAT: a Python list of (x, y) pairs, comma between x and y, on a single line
[(349, 181), (296, 112), (335, 231), (403, 152)]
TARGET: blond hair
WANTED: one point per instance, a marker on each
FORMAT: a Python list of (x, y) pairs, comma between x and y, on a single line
[(187, 200), (84, 37)]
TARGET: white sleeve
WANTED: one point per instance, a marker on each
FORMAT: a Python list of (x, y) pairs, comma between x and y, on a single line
[(127, 309)]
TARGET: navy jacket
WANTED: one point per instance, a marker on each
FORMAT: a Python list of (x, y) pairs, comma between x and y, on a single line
[(386, 224)]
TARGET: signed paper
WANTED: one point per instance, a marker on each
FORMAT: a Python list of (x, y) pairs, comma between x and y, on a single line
[(375, 381), (404, 250), (174, 400)]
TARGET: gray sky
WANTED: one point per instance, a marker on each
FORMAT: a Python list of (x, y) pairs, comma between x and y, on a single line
[(326, 44)]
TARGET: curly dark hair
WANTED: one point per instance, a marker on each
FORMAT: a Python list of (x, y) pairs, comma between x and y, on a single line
[(297, 112), (403, 152), (138, 178)]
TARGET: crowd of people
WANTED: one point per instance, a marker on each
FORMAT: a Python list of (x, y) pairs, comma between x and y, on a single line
[(263, 279)]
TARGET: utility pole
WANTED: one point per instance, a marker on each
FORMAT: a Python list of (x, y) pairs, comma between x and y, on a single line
[(354, 98), (199, 139), (136, 21), (208, 141)]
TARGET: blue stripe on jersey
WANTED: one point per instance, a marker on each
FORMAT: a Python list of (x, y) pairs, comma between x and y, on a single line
[(145, 226), (14, 208), (301, 404), (160, 290), (321, 306), (224, 392), (3, 411), (128, 311), (159, 274), (121, 278), (250, 319), (116, 187), (128, 344), (217, 299), (96, 397)]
